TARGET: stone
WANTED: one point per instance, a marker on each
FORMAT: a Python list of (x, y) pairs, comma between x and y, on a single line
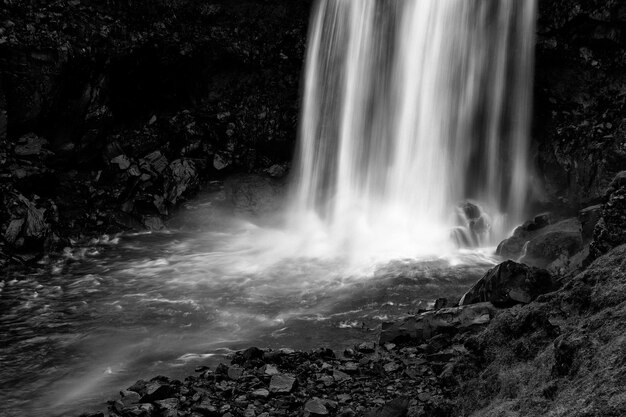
[(270, 370), (155, 391), (421, 328), (13, 231), (30, 145), (154, 161), (260, 393), (129, 397), (122, 162), (219, 162), (510, 283), (340, 376), (36, 226), (366, 347), (168, 407), (538, 243), (277, 171), (184, 177), (140, 410), (235, 372), (282, 384), (564, 237), (315, 407)]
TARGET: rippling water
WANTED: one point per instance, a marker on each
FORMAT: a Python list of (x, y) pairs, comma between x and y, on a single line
[(74, 333)]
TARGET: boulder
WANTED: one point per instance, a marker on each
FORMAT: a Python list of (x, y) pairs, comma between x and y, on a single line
[(510, 283), (564, 237), (538, 243), (282, 384), (421, 328), (589, 217), (315, 407)]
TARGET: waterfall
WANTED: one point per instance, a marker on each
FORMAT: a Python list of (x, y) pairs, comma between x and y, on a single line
[(410, 108)]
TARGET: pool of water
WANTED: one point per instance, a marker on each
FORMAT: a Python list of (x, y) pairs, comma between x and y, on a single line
[(75, 332)]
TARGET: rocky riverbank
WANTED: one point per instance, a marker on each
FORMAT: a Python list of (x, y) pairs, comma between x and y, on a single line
[(521, 342)]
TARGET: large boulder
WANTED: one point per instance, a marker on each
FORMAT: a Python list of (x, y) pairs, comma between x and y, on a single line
[(508, 284), (423, 327), (540, 246)]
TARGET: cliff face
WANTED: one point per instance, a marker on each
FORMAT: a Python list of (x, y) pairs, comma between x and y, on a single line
[(580, 123), (113, 111)]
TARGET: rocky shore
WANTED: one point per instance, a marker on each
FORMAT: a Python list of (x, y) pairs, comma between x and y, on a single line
[(521, 342)]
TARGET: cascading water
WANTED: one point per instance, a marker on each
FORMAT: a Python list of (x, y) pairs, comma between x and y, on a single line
[(411, 107)]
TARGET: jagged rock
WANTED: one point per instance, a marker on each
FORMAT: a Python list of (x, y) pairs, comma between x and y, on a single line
[(139, 410), (510, 283), (184, 178), (129, 397), (315, 407), (282, 384), (154, 162), (122, 162), (219, 163), (30, 145), (260, 393), (13, 231), (421, 328), (155, 390), (168, 407)]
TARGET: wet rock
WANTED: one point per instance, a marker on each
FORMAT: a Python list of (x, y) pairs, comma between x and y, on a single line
[(168, 407), (122, 162), (139, 410), (366, 347), (270, 370), (129, 397), (450, 321), (155, 390), (510, 283), (315, 407), (564, 237), (282, 384), (538, 244)]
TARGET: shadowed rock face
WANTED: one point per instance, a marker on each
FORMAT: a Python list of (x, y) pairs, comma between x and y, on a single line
[(510, 283), (580, 130)]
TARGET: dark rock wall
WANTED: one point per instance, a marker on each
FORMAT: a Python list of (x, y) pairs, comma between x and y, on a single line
[(580, 117)]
